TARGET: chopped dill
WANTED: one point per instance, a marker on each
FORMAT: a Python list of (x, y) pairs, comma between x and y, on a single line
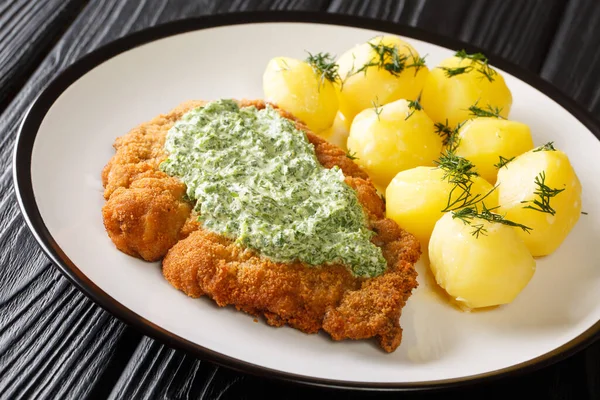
[(387, 58), (545, 147), (459, 172), (351, 155), (377, 107), (449, 136), (324, 66), (450, 72), (417, 62), (444, 131), (414, 105), (479, 63), (488, 111), (285, 67), (468, 214), (544, 194), (503, 161), (482, 60), (475, 56), (458, 168)]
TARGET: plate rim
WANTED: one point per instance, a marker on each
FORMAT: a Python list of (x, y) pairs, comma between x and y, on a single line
[(35, 114)]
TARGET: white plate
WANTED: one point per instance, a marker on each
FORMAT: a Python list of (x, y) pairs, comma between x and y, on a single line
[(67, 137)]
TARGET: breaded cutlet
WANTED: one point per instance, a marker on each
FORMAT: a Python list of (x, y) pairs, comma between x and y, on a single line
[(147, 216)]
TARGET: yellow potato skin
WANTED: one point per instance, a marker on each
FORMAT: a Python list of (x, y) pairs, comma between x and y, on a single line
[(449, 98), (388, 143), (294, 86), (483, 271), (416, 197), (517, 185), (484, 140), (375, 84), (337, 133)]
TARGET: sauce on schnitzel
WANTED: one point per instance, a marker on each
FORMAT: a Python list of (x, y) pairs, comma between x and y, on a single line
[(255, 178)]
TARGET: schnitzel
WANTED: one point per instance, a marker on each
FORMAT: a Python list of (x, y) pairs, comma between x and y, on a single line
[(148, 215)]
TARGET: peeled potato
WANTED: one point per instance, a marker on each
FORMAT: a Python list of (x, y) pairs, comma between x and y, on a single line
[(416, 197), (387, 140), (365, 83), (294, 86), (517, 190), (484, 140), (338, 132), (483, 271), (448, 99)]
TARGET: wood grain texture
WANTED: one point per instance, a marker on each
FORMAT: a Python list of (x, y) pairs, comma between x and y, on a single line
[(55, 343), (55, 322), (573, 63), (122, 17), (28, 30), (156, 371), (519, 31)]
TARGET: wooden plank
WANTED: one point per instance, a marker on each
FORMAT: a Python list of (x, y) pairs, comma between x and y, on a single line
[(28, 30), (573, 62), (156, 371), (132, 15), (517, 30), (54, 342)]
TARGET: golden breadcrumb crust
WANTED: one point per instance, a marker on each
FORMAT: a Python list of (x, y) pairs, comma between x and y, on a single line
[(146, 216)]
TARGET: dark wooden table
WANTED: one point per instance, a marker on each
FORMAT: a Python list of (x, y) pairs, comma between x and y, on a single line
[(56, 343)]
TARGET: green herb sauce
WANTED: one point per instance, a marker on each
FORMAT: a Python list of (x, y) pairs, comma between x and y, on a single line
[(256, 179)]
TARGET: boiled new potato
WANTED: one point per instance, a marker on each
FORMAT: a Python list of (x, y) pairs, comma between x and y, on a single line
[(416, 197), (381, 70), (479, 271), (448, 98), (484, 140), (337, 133), (296, 87), (392, 138), (545, 177)]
